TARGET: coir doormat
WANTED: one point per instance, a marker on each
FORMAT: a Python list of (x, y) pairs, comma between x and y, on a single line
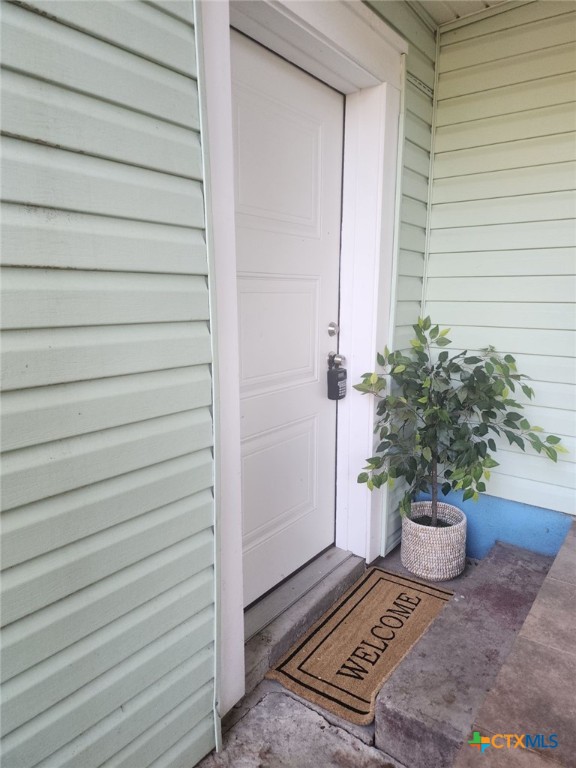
[(342, 662)]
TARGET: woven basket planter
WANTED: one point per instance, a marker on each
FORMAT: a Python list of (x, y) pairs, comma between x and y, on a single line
[(434, 554)]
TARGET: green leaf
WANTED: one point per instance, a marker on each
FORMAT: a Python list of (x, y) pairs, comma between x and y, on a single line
[(420, 334), (445, 332), (468, 494), (434, 332), (552, 439), (427, 453), (443, 342), (363, 477), (509, 359), (374, 378), (551, 453), (380, 359), (489, 463), (399, 369)]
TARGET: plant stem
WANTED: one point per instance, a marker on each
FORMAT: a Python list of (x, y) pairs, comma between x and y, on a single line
[(434, 520)]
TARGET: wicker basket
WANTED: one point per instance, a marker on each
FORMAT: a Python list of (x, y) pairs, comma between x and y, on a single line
[(434, 554)]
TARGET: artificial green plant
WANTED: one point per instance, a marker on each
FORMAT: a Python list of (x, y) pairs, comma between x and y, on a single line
[(437, 425)]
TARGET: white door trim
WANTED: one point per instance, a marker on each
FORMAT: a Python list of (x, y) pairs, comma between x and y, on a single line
[(351, 48)]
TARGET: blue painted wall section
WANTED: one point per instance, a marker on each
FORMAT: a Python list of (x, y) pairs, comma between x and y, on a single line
[(492, 519)]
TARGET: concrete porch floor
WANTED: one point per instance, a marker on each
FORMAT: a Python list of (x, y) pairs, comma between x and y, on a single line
[(500, 658)]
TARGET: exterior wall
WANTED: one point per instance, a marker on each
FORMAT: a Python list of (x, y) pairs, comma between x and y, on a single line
[(414, 192), (501, 261), (108, 584), (416, 160)]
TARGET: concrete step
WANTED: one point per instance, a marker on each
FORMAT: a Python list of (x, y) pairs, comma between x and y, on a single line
[(534, 691), (426, 708)]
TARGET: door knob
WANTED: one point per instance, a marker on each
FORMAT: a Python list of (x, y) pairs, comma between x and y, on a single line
[(333, 329)]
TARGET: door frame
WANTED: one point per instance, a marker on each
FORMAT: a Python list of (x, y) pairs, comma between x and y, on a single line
[(349, 47)]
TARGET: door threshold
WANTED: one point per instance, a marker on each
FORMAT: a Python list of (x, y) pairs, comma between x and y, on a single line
[(288, 612), (277, 601)]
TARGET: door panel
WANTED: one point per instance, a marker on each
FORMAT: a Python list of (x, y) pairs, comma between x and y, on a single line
[(288, 155)]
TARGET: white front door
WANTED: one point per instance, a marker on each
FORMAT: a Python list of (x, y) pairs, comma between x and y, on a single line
[(288, 139)]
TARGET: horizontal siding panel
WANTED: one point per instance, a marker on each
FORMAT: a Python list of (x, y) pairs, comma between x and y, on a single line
[(517, 154), (415, 185), (416, 159), (471, 309), (514, 41), (515, 340), (43, 414), (413, 212), (44, 176), (533, 492), (406, 311), (417, 131), (404, 19), (509, 19), (133, 26), (43, 112), (545, 121), (48, 524), (189, 750), (419, 103), (48, 298), (554, 370), (402, 336), (55, 575), (411, 263), (545, 92), (520, 69), (46, 470), (37, 636), (538, 234), (140, 715), (420, 66), (508, 210), (65, 721), (409, 289), (412, 238), (52, 356), (557, 421), (518, 181), (530, 466), (176, 8), (178, 724), (37, 689), (45, 237), (545, 261), (92, 66), (552, 288)]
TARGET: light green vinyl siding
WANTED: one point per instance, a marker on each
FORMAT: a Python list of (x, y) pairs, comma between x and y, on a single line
[(501, 266), (107, 504), (414, 190), (416, 160)]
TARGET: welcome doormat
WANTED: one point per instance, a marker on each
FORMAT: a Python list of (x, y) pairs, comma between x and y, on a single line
[(343, 660)]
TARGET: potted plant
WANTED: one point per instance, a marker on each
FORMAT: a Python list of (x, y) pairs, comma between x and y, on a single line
[(437, 428)]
